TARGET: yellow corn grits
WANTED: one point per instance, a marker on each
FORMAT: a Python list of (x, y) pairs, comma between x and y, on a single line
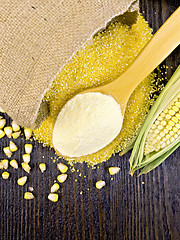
[(104, 60)]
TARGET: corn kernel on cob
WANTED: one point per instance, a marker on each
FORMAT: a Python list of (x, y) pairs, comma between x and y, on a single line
[(165, 129)]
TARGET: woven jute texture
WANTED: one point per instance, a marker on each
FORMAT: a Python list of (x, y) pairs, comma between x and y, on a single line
[(37, 38)]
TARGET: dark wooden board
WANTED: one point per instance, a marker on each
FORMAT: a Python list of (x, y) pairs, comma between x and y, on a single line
[(128, 208)]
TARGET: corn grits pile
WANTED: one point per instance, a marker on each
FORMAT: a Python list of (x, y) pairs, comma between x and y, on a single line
[(104, 60)]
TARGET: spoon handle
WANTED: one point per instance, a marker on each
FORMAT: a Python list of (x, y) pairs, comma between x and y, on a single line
[(166, 39)]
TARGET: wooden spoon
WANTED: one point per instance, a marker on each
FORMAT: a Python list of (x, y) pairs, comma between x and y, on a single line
[(73, 138), (166, 39)]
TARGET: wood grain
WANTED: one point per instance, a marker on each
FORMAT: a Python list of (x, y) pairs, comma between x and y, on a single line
[(128, 208)]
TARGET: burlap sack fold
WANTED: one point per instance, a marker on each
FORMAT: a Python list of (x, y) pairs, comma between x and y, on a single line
[(37, 38)]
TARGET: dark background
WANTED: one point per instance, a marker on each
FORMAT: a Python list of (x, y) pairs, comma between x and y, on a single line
[(128, 208)]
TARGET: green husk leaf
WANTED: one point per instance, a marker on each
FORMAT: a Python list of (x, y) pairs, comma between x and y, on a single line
[(138, 159), (159, 160)]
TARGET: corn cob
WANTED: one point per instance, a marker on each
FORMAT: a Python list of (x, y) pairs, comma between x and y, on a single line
[(165, 129), (159, 135)]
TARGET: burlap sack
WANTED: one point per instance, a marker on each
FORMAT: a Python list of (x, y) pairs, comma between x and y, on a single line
[(37, 38)]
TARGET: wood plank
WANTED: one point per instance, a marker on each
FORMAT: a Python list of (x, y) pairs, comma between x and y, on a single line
[(128, 208)]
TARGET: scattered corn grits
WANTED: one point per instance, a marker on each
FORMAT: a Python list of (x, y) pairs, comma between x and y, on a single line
[(104, 60)]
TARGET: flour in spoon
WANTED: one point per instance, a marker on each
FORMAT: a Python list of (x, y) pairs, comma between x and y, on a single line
[(87, 123)]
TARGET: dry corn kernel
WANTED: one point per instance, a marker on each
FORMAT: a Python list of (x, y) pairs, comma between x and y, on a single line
[(26, 167), (28, 148), (8, 131), (5, 175), (62, 178), (2, 133), (55, 187), (7, 151), (13, 146), (2, 110), (26, 158), (28, 195), (62, 167), (21, 181), (53, 197), (15, 126), (31, 189), (14, 164), (42, 167), (114, 170), (1, 165), (16, 134), (5, 163), (2, 123), (27, 133), (100, 184)]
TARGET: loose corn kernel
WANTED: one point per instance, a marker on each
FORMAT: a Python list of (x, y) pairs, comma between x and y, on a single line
[(2, 133), (8, 131), (100, 184), (114, 170), (28, 148), (5, 163), (62, 178), (26, 167), (42, 167), (53, 197), (5, 175), (55, 187), (7, 151), (26, 158), (167, 126), (13, 146), (2, 110), (2, 123), (28, 195), (15, 126), (27, 133), (16, 134), (31, 189), (62, 167), (14, 164), (1, 165), (21, 181)]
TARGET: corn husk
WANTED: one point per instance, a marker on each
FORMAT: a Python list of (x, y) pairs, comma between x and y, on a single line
[(150, 161)]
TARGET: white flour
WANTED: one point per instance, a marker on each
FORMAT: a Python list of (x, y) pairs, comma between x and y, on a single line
[(86, 124)]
